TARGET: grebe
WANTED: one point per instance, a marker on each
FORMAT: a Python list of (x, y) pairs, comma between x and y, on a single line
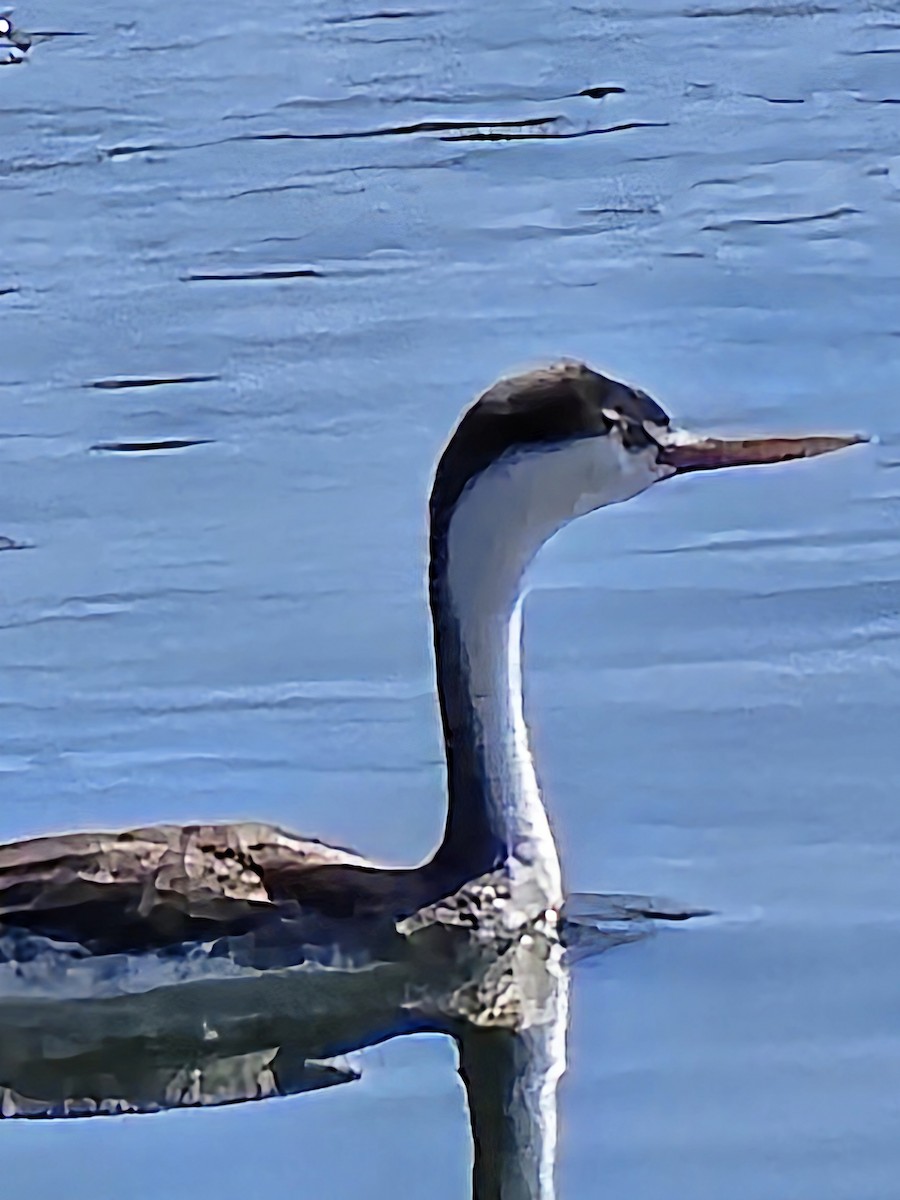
[(536, 451)]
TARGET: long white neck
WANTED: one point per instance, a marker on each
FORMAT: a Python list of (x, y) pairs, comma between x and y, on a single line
[(489, 617), (480, 551), (477, 593)]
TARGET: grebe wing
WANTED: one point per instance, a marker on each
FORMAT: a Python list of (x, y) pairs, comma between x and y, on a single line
[(168, 883)]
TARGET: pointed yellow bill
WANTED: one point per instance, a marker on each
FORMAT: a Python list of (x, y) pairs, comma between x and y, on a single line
[(708, 454)]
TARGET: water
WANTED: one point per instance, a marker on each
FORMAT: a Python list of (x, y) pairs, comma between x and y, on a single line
[(237, 628)]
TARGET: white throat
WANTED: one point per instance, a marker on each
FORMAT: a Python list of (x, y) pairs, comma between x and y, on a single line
[(499, 524)]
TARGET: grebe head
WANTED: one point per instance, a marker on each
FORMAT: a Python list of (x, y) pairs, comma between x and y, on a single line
[(563, 438), (539, 449)]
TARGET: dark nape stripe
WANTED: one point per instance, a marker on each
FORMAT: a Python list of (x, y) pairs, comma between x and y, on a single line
[(470, 845)]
